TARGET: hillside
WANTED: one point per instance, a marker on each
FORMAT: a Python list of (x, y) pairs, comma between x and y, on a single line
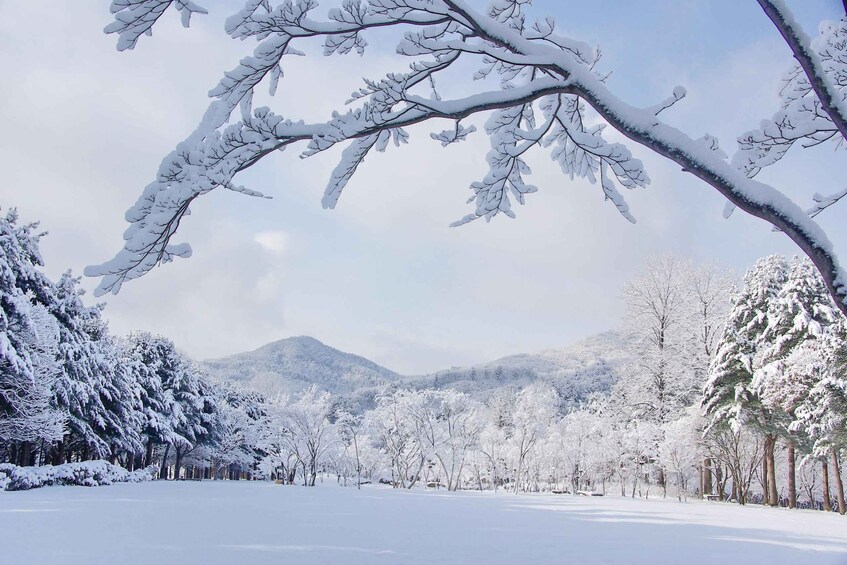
[(291, 365), (576, 371)]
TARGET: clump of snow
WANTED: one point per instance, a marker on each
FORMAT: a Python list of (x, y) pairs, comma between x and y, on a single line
[(86, 473)]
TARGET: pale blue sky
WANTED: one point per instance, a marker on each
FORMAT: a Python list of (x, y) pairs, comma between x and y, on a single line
[(382, 275)]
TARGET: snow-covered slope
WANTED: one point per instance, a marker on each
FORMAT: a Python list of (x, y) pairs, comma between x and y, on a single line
[(291, 365), (576, 371)]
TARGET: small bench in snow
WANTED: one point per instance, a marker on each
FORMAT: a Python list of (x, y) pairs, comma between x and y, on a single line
[(589, 493)]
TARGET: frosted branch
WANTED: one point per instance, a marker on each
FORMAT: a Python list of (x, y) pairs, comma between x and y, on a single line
[(537, 70)]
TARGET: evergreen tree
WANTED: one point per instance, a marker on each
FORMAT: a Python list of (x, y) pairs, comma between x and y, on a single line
[(150, 359), (27, 342), (93, 388), (728, 396)]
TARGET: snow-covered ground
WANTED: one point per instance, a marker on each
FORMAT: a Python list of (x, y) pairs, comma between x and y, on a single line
[(243, 522)]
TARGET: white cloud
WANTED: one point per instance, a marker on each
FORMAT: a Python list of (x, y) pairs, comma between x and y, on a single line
[(274, 240)]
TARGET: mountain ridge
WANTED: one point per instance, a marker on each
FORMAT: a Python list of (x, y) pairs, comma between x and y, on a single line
[(290, 365)]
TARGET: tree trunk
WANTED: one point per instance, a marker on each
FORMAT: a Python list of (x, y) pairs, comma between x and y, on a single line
[(517, 474), (25, 454), (839, 486), (827, 502), (178, 461), (163, 472), (792, 477), (707, 476), (773, 495), (764, 477), (58, 453), (148, 455), (721, 480)]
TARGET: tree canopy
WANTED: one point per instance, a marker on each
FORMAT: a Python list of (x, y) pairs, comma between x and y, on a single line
[(540, 89)]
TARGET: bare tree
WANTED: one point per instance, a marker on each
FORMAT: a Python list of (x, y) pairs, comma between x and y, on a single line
[(656, 307), (550, 89), (351, 432)]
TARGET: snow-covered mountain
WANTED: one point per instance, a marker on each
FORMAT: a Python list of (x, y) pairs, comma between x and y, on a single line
[(290, 365), (578, 370)]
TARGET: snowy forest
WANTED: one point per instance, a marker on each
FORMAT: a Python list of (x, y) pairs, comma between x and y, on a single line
[(737, 394), (649, 366)]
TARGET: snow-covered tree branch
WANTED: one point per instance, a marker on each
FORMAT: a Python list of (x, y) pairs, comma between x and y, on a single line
[(548, 93)]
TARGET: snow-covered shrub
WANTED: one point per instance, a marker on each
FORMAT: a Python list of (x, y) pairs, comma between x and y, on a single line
[(86, 473), (5, 471)]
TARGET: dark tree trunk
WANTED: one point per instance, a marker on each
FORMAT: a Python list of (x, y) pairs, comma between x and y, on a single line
[(25, 454), (839, 486), (773, 495), (827, 502), (764, 478), (163, 472), (148, 455), (178, 461), (707, 476), (792, 477), (58, 455)]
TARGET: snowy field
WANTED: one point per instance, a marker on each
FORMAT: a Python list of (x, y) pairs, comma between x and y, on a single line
[(242, 522)]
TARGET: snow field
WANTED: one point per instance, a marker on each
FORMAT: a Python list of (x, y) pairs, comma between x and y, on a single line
[(214, 522)]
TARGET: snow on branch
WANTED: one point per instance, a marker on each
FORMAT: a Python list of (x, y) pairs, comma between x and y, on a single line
[(134, 18), (823, 202), (825, 71), (548, 96), (677, 95), (804, 119)]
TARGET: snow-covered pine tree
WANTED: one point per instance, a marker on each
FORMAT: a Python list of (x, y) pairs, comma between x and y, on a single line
[(152, 361), (236, 428), (93, 388), (802, 312), (729, 397), (823, 413), (198, 409), (27, 343)]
